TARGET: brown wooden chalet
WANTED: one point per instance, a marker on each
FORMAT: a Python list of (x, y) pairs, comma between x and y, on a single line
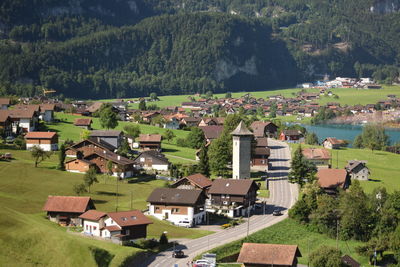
[(87, 147), (212, 132), (260, 153), (67, 209), (264, 129), (5, 122), (233, 197), (267, 255), (330, 180), (121, 166), (294, 136), (194, 181), (85, 123), (150, 141)]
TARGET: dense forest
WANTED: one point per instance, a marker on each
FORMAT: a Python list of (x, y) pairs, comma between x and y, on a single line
[(127, 48)]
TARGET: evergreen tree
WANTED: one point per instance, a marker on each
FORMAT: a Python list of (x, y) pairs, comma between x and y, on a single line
[(218, 155), (302, 170), (203, 166), (195, 138), (61, 158), (108, 118)]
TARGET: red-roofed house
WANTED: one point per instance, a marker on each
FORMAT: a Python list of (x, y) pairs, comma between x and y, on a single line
[(194, 181), (332, 179), (319, 156), (48, 141), (266, 255), (66, 210), (332, 143), (85, 123)]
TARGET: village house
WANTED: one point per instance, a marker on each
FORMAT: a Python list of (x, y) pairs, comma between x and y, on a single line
[(5, 123), (319, 156), (292, 136), (66, 210), (190, 122), (150, 142), (85, 123), (47, 112), (87, 147), (149, 116), (267, 255), (4, 103), (89, 110), (260, 153), (152, 160), (264, 129), (211, 121), (178, 205), (48, 141), (195, 181), (358, 170), (212, 132), (117, 226), (23, 120), (79, 165), (330, 180), (113, 137), (232, 197), (332, 143), (171, 123)]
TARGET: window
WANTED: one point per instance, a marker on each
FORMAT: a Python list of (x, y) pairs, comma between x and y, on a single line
[(87, 227), (175, 210), (127, 232), (157, 208), (94, 228)]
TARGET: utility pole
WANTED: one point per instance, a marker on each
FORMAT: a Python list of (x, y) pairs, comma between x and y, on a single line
[(248, 221), (131, 200)]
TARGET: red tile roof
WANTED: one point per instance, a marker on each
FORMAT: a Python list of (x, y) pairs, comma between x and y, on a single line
[(67, 204), (316, 153), (331, 178), (231, 186), (129, 218), (268, 254), (200, 180), (93, 215), (4, 101), (82, 122), (4, 114), (40, 135), (212, 131), (150, 138)]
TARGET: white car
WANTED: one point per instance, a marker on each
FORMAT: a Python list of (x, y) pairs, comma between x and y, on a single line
[(203, 263), (184, 223)]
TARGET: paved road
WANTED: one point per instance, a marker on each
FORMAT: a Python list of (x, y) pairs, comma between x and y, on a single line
[(282, 196)]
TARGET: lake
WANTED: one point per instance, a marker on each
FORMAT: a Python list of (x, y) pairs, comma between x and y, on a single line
[(346, 132)]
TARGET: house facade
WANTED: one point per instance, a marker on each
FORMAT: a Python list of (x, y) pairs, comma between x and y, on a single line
[(113, 137), (47, 112), (358, 170), (292, 136), (330, 180), (232, 197), (176, 205), (319, 156), (150, 142), (84, 123), (48, 141), (5, 122), (152, 160), (332, 143), (78, 165)]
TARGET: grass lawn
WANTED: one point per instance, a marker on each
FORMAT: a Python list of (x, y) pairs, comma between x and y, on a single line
[(349, 96), (27, 238), (66, 129), (384, 166), (292, 233)]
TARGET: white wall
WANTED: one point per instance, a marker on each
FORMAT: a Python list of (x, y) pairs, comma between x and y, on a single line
[(45, 147), (88, 227), (175, 218)]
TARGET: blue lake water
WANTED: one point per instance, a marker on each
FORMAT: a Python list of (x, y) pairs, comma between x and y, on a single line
[(347, 132)]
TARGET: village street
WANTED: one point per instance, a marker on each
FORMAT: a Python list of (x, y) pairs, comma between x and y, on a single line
[(282, 196)]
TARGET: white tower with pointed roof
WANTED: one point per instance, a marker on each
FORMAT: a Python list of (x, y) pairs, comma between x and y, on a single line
[(241, 158)]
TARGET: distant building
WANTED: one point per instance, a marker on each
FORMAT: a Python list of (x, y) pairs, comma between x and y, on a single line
[(319, 156), (85, 123), (332, 143), (264, 129), (358, 170), (113, 137), (150, 142), (152, 160), (292, 136), (267, 255), (48, 141), (241, 158)]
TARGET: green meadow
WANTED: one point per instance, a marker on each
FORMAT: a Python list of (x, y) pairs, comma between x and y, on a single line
[(27, 238), (291, 233), (384, 166)]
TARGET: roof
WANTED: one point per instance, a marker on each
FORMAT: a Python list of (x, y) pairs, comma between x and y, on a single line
[(333, 141), (156, 157), (198, 179), (262, 142), (231, 186), (67, 204), (113, 228), (94, 107), (331, 178), (105, 133), (4, 114), (212, 131), (22, 113), (92, 215), (129, 218), (316, 153), (150, 138), (97, 142), (82, 122), (268, 254), (44, 107), (353, 164), (40, 135), (111, 156), (241, 129), (4, 101), (292, 132), (350, 261), (262, 151), (258, 127), (174, 196)]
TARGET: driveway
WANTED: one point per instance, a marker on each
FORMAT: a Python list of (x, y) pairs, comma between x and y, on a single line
[(282, 196)]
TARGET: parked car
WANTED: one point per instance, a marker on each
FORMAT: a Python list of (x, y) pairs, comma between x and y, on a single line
[(10, 139), (178, 254), (203, 263), (184, 223), (276, 213)]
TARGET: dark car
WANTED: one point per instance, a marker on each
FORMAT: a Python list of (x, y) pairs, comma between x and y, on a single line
[(276, 213), (178, 254)]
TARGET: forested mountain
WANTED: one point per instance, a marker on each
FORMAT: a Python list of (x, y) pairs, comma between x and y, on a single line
[(106, 48)]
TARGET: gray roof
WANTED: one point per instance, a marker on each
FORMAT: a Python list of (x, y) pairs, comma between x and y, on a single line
[(241, 129), (174, 196), (231, 186), (105, 133), (157, 157)]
